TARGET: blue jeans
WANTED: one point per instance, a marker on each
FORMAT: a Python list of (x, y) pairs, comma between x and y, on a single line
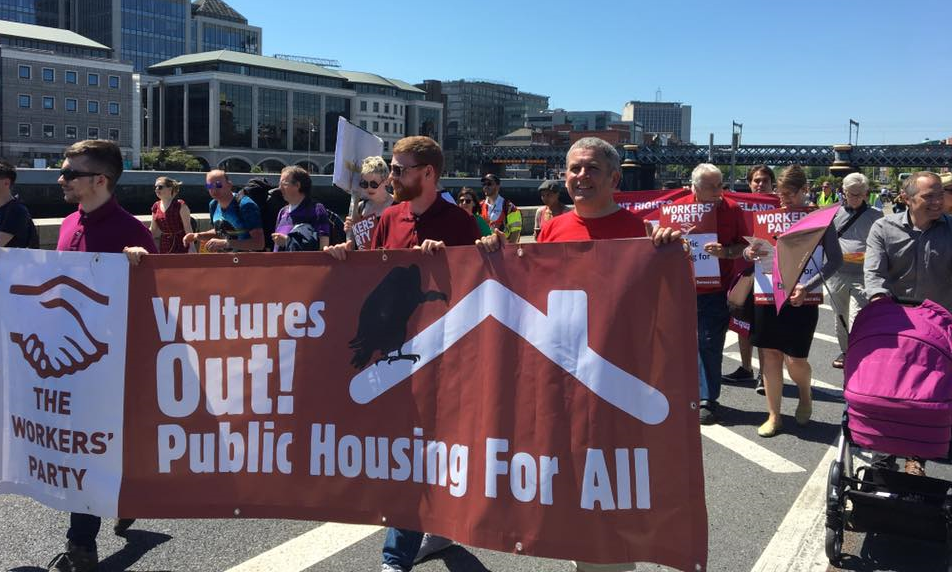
[(712, 320), (401, 547), (83, 529)]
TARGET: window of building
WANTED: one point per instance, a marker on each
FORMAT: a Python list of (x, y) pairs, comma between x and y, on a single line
[(92, 79), (49, 131), (71, 104), (25, 101), (363, 106), (363, 124), (386, 108), (92, 133), (49, 102), (71, 132), (376, 107), (26, 72), (114, 134), (114, 82), (386, 145), (70, 76), (24, 129), (386, 127), (49, 74), (92, 106), (376, 126), (114, 108)]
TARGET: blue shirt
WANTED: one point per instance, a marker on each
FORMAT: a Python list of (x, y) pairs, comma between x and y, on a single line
[(237, 220)]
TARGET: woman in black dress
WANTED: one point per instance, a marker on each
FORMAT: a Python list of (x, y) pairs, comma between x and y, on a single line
[(785, 338)]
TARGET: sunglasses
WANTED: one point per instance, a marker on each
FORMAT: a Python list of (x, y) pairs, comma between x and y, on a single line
[(211, 186), (398, 170), (157, 187), (489, 182), (466, 201), (371, 184), (70, 174)]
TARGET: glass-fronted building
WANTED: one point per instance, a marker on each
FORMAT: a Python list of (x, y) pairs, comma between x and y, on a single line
[(57, 87), (240, 111)]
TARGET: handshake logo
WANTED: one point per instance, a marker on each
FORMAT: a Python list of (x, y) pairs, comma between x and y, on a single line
[(58, 341)]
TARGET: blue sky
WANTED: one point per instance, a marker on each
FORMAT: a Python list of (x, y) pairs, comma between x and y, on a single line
[(791, 72)]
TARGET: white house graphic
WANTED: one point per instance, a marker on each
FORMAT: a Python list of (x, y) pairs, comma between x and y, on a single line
[(562, 336)]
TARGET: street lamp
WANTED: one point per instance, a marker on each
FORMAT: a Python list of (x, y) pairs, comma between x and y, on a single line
[(310, 129), (737, 129)]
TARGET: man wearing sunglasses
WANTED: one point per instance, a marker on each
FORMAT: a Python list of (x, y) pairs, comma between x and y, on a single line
[(88, 178), (424, 221), (236, 221), (499, 211)]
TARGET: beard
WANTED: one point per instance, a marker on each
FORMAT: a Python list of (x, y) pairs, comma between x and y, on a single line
[(407, 192)]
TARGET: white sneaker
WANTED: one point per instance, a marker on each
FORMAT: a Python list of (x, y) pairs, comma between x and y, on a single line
[(390, 568), (431, 545)]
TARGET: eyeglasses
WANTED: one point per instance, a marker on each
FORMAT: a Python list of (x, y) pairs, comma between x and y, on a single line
[(398, 170), (466, 201), (70, 174), (371, 184), (216, 185)]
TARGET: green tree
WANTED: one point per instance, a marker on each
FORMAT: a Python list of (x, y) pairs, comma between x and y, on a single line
[(170, 159)]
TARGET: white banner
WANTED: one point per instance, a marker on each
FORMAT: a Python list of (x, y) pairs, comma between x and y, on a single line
[(353, 146), (63, 347)]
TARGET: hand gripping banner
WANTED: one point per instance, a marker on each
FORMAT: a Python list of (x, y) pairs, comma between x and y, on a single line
[(539, 401)]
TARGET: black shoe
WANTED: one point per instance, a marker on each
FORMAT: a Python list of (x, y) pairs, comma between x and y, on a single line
[(122, 525), (739, 375), (884, 462), (760, 385), (75, 559), (706, 413), (838, 362)]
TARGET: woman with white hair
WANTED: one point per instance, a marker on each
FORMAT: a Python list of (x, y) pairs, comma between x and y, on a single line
[(853, 221), (374, 173)]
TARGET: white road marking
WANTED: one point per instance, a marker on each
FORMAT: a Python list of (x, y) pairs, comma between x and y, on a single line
[(797, 546), (750, 450), (813, 382), (308, 549), (826, 307), (826, 338)]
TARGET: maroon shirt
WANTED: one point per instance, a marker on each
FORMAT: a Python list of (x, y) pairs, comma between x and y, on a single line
[(107, 229), (400, 228)]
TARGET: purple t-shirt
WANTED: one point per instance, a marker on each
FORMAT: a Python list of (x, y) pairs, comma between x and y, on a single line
[(306, 211), (107, 229)]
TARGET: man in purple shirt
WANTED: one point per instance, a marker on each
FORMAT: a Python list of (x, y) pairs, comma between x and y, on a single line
[(88, 178)]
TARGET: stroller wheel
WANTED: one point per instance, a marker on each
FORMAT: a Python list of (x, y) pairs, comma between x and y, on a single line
[(834, 545)]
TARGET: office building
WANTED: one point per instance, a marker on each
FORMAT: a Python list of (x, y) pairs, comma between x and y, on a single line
[(58, 87), (665, 119), (144, 32), (240, 111)]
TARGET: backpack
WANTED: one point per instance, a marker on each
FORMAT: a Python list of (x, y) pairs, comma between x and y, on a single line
[(337, 235), (898, 385)]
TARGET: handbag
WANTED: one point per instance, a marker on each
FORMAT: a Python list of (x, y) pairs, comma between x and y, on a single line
[(741, 288)]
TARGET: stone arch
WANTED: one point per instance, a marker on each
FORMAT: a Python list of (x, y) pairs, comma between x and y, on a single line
[(271, 165), (235, 165), (329, 168)]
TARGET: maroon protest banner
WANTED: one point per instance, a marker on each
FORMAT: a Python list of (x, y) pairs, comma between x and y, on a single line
[(768, 225), (647, 204), (513, 401), (698, 222)]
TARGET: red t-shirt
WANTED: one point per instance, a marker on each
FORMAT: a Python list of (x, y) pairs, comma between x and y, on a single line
[(398, 227), (731, 229), (571, 227)]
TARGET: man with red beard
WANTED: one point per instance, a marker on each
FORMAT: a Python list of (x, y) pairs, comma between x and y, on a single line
[(421, 220)]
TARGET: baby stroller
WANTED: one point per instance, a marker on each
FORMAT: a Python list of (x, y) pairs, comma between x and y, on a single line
[(898, 392)]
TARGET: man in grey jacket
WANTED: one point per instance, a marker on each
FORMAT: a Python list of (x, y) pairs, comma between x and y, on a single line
[(853, 221)]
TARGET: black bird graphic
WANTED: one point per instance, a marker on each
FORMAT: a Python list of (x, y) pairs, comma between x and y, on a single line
[(383, 318)]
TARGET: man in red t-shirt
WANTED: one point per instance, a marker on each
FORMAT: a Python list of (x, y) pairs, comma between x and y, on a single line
[(712, 312), (421, 220), (593, 171)]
